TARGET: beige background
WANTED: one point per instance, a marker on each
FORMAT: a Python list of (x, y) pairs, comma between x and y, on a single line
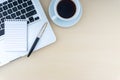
[(90, 50)]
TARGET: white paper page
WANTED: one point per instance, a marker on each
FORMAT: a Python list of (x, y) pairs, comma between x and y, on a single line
[(16, 35)]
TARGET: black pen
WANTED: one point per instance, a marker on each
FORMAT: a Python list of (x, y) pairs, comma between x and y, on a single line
[(37, 38)]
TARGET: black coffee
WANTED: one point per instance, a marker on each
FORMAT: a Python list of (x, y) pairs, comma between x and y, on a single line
[(66, 8)]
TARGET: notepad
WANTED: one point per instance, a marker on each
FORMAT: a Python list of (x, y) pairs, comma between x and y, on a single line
[(16, 35)]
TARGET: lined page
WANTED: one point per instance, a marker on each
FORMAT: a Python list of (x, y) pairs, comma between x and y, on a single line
[(16, 35)]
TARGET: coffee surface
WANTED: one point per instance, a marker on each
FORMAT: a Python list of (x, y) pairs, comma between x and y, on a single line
[(66, 8)]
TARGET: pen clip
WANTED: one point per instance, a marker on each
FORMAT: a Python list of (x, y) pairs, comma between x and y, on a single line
[(42, 30)]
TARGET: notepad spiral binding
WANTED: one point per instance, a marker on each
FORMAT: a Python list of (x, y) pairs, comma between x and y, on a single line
[(15, 20)]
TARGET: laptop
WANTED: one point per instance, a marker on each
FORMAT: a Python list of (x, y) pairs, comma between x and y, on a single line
[(32, 11)]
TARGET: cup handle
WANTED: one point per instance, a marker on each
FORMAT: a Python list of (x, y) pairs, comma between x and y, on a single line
[(54, 17)]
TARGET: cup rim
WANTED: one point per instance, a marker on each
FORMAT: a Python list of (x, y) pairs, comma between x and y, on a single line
[(66, 19)]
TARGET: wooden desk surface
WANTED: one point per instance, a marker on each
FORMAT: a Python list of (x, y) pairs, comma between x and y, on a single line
[(90, 50)]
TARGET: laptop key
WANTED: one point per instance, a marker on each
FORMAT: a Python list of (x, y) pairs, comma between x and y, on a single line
[(5, 3), (29, 2), (9, 11), (24, 5), (2, 19), (0, 15), (22, 17), (31, 13), (5, 13), (13, 15), (18, 13), (17, 18), (2, 25), (20, 1), (0, 5), (24, 0), (19, 7), (8, 17), (23, 11), (30, 8), (15, 9), (37, 18), (10, 5), (15, 3), (1, 9), (31, 19), (10, 0), (1, 32), (5, 7)]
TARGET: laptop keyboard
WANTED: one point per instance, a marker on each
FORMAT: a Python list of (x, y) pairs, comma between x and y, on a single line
[(17, 9)]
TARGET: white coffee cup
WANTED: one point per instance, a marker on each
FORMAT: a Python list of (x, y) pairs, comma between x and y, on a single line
[(62, 21)]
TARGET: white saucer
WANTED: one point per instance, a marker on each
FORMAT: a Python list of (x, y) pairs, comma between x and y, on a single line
[(63, 23)]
